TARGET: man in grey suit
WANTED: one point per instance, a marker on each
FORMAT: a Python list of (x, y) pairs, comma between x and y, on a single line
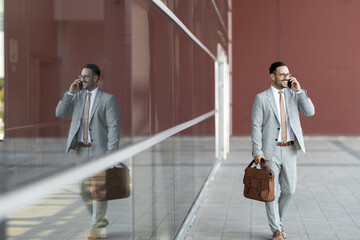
[(277, 135), (94, 132)]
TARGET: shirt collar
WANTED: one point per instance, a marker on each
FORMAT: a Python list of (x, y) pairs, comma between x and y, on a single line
[(93, 92), (275, 91)]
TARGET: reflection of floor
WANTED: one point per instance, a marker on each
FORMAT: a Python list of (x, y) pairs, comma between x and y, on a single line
[(62, 216), (24, 161), (165, 181)]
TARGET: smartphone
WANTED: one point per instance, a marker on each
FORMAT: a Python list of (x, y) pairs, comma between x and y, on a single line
[(289, 83), (80, 85)]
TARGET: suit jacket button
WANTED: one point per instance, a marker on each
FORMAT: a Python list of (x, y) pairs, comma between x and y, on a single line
[(278, 128), (275, 139)]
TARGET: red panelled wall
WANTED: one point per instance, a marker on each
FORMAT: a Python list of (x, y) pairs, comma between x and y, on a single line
[(319, 41)]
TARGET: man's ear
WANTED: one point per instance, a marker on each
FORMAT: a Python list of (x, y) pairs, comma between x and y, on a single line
[(272, 76), (96, 78)]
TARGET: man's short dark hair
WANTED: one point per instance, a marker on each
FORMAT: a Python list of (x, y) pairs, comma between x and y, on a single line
[(94, 68), (275, 65)]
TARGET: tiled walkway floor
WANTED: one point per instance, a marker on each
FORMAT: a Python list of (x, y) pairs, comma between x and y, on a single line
[(326, 205)]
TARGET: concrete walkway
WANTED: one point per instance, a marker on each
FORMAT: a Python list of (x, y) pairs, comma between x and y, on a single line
[(326, 205)]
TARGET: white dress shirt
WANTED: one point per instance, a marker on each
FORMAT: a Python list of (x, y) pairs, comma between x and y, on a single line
[(290, 133), (81, 130)]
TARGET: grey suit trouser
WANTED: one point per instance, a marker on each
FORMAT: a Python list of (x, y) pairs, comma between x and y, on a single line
[(283, 163), (97, 210)]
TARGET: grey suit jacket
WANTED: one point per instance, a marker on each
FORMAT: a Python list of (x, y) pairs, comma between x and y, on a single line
[(104, 122), (265, 122)]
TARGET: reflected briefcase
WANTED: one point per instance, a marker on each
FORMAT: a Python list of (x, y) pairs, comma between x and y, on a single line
[(259, 183), (114, 183)]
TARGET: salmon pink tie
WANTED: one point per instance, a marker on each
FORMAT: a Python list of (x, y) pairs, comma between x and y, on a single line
[(86, 119), (283, 118)]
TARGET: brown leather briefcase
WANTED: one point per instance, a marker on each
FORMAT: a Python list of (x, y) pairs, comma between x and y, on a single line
[(114, 183), (259, 183)]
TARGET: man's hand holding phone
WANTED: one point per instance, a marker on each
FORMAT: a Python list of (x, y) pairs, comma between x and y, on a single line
[(76, 86), (293, 84)]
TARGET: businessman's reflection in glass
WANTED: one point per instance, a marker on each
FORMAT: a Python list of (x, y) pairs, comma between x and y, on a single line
[(94, 132)]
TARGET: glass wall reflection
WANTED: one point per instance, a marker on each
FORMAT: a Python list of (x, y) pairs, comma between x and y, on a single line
[(167, 179), (160, 78), (48, 43), (62, 215)]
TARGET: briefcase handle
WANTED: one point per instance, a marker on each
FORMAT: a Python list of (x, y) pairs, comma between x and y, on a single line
[(264, 164), (120, 164)]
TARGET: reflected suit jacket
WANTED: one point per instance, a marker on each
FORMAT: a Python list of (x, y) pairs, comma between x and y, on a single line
[(104, 123), (265, 120)]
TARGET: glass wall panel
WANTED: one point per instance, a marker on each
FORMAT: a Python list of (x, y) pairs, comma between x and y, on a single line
[(184, 10), (183, 176), (193, 14), (212, 32), (153, 192), (204, 153), (223, 8), (160, 77), (141, 70), (166, 182), (183, 78), (174, 79), (161, 70)]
